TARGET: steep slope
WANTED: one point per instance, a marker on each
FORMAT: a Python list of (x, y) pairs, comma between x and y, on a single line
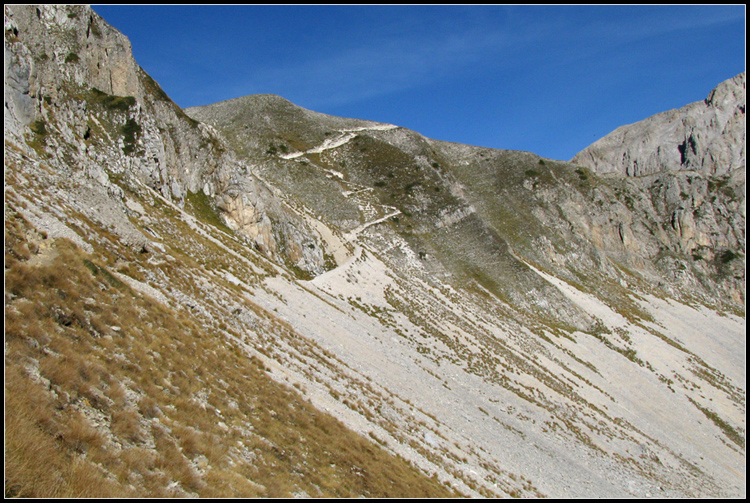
[(112, 393), (71, 74), (485, 225), (690, 164), (121, 378), (490, 316)]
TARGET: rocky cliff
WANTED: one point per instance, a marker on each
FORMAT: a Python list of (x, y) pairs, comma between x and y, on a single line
[(690, 165), (707, 137), (72, 76), (193, 296)]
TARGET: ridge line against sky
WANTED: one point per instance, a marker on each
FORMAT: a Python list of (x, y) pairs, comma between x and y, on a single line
[(544, 78)]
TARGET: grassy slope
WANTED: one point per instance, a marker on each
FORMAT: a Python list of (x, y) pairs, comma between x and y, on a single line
[(177, 408)]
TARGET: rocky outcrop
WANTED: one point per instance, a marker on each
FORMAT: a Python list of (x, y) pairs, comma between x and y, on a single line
[(74, 92), (84, 51), (688, 167), (706, 136)]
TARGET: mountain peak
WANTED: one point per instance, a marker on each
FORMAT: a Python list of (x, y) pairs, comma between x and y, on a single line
[(728, 94), (706, 136)]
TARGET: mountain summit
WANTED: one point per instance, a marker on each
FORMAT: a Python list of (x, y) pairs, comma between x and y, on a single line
[(254, 299), (707, 137)]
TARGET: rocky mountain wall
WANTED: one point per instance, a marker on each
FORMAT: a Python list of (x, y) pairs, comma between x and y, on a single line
[(707, 137), (75, 91), (688, 165)]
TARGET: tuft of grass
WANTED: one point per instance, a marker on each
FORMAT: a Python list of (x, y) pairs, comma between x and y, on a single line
[(125, 424), (39, 127), (732, 434), (40, 453)]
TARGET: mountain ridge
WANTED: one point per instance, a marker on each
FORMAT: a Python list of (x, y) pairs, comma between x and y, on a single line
[(695, 237), (468, 310), (706, 136)]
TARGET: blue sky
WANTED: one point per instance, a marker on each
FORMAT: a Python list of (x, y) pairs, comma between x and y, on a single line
[(545, 79)]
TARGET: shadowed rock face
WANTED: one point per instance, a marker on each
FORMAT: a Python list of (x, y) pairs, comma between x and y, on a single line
[(515, 325)]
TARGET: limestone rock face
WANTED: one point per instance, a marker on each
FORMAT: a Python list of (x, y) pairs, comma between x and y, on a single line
[(690, 165), (85, 50), (706, 136), (72, 78)]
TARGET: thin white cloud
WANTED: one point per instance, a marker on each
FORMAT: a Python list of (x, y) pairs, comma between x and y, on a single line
[(385, 66), (421, 53), (659, 20)]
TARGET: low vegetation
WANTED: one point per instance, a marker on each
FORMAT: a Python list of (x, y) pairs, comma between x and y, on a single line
[(735, 435), (199, 205), (110, 393), (130, 131), (111, 102)]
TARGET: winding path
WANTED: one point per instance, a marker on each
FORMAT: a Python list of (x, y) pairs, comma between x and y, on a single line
[(329, 143)]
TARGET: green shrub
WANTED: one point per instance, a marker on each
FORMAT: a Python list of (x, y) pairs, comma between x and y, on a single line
[(112, 102), (39, 127), (93, 28), (727, 256), (131, 129), (409, 187)]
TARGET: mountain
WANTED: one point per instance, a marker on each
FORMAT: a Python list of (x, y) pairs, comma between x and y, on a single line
[(692, 163), (251, 298), (707, 137)]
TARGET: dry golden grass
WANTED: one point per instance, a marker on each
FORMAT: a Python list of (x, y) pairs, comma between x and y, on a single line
[(40, 450), (125, 425), (150, 373)]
